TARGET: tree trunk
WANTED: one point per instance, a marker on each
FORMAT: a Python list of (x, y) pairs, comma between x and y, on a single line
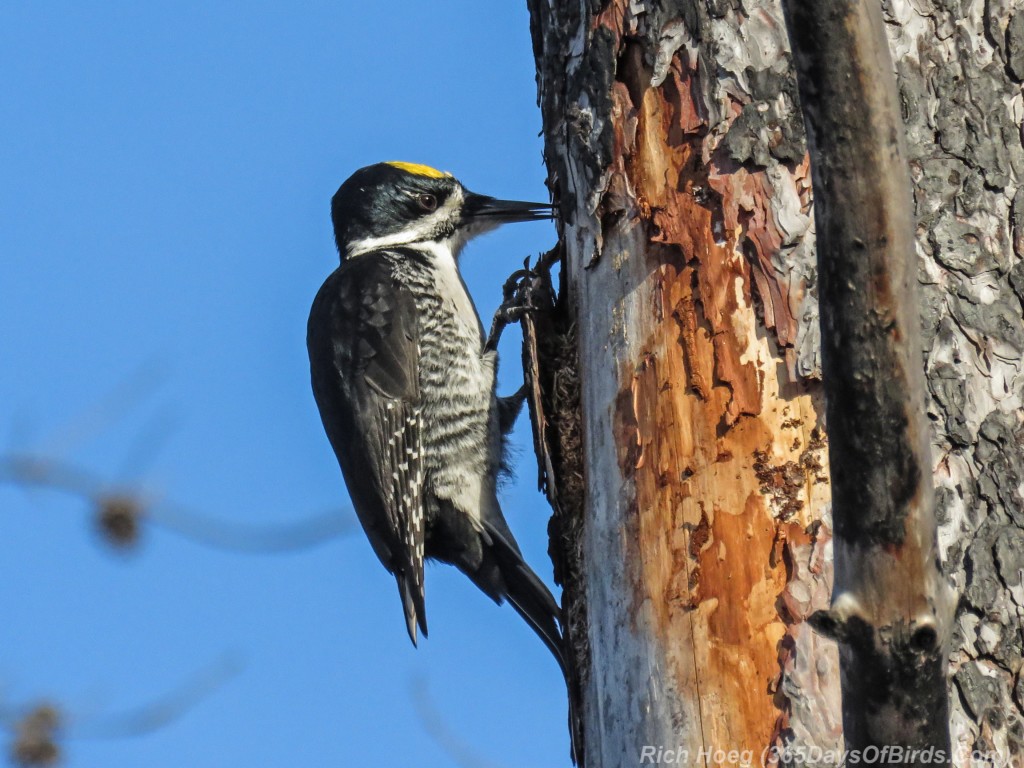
[(679, 399)]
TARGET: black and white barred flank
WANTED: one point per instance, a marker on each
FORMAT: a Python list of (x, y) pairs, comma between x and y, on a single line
[(406, 392)]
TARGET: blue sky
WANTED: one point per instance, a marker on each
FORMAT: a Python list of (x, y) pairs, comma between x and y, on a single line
[(164, 225)]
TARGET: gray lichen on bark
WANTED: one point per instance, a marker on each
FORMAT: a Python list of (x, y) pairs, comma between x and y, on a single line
[(959, 72), (960, 64)]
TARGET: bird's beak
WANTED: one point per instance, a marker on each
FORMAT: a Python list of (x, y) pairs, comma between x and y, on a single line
[(489, 212)]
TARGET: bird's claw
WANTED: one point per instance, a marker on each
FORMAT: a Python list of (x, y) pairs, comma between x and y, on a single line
[(516, 305), (514, 285)]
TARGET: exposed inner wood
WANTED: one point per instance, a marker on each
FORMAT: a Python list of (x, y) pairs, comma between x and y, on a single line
[(724, 451)]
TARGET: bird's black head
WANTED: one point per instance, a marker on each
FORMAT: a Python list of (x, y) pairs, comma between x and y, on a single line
[(392, 204)]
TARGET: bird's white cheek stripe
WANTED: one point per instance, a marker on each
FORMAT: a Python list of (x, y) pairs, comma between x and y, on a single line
[(420, 231), (413, 234)]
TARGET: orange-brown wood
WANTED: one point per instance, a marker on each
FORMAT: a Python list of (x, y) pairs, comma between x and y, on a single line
[(724, 450)]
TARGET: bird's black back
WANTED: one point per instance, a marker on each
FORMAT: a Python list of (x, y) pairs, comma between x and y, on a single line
[(363, 348)]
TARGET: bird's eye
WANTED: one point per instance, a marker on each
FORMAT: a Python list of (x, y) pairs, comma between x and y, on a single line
[(427, 201)]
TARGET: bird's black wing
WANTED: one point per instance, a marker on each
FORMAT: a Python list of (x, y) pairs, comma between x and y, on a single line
[(363, 346)]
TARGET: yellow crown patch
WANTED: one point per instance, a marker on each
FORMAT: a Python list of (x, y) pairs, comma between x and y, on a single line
[(419, 170)]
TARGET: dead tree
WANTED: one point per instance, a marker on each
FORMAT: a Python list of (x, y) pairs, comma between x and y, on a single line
[(679, 406)]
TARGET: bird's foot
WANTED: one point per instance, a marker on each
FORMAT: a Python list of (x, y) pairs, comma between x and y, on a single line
[(515, 306)]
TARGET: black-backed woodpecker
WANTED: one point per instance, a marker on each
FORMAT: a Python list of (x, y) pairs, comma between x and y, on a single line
[(405, 385)]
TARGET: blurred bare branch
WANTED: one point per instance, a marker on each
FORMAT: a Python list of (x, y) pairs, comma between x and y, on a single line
[(257, 539), (434, 724), (41, 729), (160, 712), (119, 514), (35, 471)]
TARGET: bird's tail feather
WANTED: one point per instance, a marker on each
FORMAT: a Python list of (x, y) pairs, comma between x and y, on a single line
[(527, 593), (534, 602), (413, 604), (503, 574)]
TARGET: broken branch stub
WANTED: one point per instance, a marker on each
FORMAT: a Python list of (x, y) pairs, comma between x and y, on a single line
[(889, 608)]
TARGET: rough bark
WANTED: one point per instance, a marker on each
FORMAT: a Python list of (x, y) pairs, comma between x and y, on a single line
[(675, 149), (675, 146), (958, 68), (890, 604), (683, 191)]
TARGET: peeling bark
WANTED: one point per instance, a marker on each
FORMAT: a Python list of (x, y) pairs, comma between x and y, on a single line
[(703, 540), (688, 266)]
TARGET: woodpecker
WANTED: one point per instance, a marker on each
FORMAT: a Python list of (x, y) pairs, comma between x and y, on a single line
[(405, 384)]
